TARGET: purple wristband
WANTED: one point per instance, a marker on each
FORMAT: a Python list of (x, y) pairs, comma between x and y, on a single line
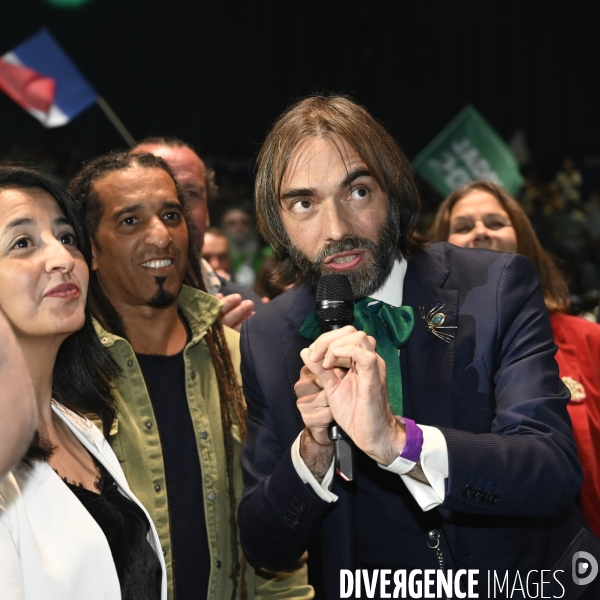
[(414, 440)]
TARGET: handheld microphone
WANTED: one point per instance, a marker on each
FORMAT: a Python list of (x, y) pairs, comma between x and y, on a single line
[(334, 310)]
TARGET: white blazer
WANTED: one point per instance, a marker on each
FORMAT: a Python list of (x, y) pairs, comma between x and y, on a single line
[(51, 548)]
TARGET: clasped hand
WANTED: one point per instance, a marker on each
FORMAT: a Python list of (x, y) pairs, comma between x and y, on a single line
[(355, 398)]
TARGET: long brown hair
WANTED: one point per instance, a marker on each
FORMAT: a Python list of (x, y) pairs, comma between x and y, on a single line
[(233, 408), (552, 283), (330, 116)]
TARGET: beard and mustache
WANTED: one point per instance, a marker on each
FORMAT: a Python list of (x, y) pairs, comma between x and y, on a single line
[(369, 275)]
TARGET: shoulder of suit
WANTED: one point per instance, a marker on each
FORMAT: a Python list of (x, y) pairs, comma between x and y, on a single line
[(282, 303), (447, 254)]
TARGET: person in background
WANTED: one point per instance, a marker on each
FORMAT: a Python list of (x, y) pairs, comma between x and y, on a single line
[(245, 248), (181, 413), (215, 251), (264, 285), (70, 527), (481, 214), (18, 408), (198, 186), (569, 183)]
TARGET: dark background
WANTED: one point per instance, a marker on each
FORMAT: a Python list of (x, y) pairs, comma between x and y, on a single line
[(218, 72)]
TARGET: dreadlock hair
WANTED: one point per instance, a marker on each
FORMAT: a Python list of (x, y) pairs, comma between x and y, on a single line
[(231, 401), (84, 370), (170, 141)]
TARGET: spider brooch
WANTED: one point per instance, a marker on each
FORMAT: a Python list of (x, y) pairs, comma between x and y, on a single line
[(435, 321)]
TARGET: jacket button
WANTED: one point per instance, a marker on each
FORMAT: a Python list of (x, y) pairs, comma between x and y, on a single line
[(212, 496), (301, 507), (203, 435), (193, 374), (148, 425), (130, 363), (218, 564), (104, 340), (157, 488)]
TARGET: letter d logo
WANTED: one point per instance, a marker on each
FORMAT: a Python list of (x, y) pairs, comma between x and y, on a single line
[(585, 568)]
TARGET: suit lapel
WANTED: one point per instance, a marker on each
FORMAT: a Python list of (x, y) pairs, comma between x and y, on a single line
[(302, 305), (426, 360)]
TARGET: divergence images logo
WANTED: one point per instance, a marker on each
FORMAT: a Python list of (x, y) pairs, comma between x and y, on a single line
[(585, 568)]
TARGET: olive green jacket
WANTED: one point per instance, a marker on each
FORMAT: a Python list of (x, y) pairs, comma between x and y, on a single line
[(135, 440)]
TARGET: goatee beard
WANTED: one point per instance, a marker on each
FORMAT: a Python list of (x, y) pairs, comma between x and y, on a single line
[(162, 298), (370, 275)]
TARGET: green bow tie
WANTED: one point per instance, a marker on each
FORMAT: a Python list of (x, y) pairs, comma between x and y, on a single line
[(391, 326)]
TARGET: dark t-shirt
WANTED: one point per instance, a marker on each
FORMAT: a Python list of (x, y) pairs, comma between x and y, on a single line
[(165, 380)]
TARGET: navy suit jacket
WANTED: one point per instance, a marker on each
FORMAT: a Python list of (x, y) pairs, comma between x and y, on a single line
[(493, 391)]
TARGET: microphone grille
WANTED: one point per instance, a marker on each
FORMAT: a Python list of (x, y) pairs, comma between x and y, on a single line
[(334, 287)]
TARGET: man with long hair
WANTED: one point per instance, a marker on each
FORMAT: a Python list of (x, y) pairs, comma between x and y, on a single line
[(446, 382), (181, 415)]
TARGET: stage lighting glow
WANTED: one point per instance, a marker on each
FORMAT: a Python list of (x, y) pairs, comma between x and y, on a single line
[(68, 3)]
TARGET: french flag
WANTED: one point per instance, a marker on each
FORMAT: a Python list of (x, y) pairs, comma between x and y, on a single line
[(40, 77)]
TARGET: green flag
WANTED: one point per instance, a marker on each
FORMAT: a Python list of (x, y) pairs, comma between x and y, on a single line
[(468, 149)]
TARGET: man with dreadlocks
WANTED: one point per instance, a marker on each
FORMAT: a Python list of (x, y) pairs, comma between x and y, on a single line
[(197, 183), (181, 415)]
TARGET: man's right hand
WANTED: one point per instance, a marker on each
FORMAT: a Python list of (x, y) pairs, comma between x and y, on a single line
[(313, 406), (235, 310), (316, 449)]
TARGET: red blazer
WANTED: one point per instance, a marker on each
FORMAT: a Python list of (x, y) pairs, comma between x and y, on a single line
[(578, 359)]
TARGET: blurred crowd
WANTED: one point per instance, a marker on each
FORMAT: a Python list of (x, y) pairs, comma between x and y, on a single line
[(567, 222)]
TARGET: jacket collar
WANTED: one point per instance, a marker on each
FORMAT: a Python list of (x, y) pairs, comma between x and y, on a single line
[(301, 305), (90, 437), (427, 268), (199, 308)]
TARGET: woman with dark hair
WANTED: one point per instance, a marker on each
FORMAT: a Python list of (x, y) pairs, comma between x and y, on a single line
[(481, 214), (70, 528)]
